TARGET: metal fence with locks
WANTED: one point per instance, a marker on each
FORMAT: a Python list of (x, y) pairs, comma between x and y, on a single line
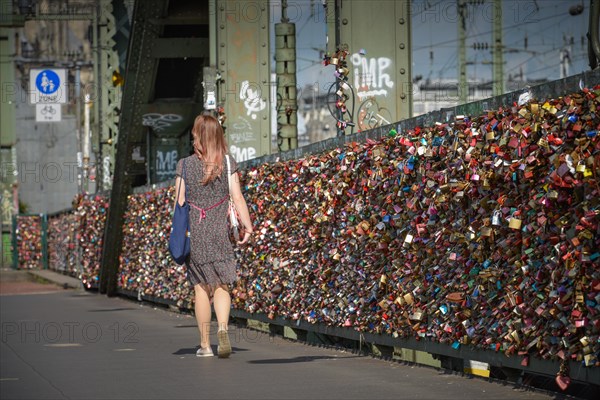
[(30, 241)]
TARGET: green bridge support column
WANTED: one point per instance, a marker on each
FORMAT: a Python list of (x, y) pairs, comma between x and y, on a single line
[(381, 75), (243, 60)]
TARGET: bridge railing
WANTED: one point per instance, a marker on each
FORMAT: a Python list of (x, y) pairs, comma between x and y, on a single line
[(29, 241), (63, 246)]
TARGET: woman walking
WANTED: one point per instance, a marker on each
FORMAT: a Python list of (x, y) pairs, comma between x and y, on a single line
[(211, 266)]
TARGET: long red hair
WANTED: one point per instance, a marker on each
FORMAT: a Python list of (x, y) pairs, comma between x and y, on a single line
[(209, 145)]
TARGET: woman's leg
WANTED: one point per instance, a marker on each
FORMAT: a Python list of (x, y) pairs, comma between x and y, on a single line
[(222, 304), (203, 313)]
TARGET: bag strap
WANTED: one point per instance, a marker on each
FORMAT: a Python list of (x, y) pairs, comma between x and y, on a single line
[(179, 186), (228, 173), (233, 218)]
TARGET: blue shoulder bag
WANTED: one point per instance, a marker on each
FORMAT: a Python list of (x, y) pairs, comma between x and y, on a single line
[(179, 240)]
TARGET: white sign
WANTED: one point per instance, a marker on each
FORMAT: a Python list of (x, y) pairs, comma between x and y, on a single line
[(48, 113), (47, 86)]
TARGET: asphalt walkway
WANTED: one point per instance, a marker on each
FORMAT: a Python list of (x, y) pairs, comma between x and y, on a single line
[(72, 344)]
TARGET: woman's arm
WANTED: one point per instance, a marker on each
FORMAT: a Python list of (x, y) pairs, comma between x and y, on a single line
[(180, 183), (181, 198), (241, 207)]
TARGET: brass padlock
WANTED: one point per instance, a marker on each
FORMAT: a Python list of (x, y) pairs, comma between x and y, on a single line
[(534, 108), (514, 223), (486, 184)]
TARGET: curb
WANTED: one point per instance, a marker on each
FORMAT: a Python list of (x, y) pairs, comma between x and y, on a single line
[(65, 281)]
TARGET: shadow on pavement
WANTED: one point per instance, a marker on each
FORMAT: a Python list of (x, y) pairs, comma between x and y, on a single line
[(181, 352), (192, 350), (297, 359)]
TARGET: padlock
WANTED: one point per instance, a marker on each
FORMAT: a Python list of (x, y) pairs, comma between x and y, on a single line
[(514, 223), (496, 218)]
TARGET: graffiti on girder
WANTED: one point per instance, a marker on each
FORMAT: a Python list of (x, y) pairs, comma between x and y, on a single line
[(253, 103), (160, 122)]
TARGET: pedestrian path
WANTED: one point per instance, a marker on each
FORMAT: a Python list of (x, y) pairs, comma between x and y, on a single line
[(73, 344)]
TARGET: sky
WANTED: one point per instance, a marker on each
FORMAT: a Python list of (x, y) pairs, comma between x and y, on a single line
[(545, 23), (534, 33)]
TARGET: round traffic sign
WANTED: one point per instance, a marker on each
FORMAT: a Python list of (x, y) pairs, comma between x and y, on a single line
[(47, 81)]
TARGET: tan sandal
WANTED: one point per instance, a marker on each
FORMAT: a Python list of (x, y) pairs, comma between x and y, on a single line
[(224, 348)]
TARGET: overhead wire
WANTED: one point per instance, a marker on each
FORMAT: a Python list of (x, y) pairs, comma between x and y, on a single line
[(577, 57), (451, 61), (310, 17), (476, 34), (484, 33)]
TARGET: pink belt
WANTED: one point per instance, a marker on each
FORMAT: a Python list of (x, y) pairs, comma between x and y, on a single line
[(204, 210)]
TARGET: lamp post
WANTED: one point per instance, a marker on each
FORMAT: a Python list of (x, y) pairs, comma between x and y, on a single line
[(75, 62), (86, 143), (78, 126)]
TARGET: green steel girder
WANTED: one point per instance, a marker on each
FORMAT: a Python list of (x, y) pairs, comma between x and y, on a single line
[(384, 72), (122, 26), (8, 86), (110, 99), (243, 59), (186, 112), (180, 48)]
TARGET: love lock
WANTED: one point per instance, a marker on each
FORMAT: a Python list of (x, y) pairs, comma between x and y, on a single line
[(496, 217)]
